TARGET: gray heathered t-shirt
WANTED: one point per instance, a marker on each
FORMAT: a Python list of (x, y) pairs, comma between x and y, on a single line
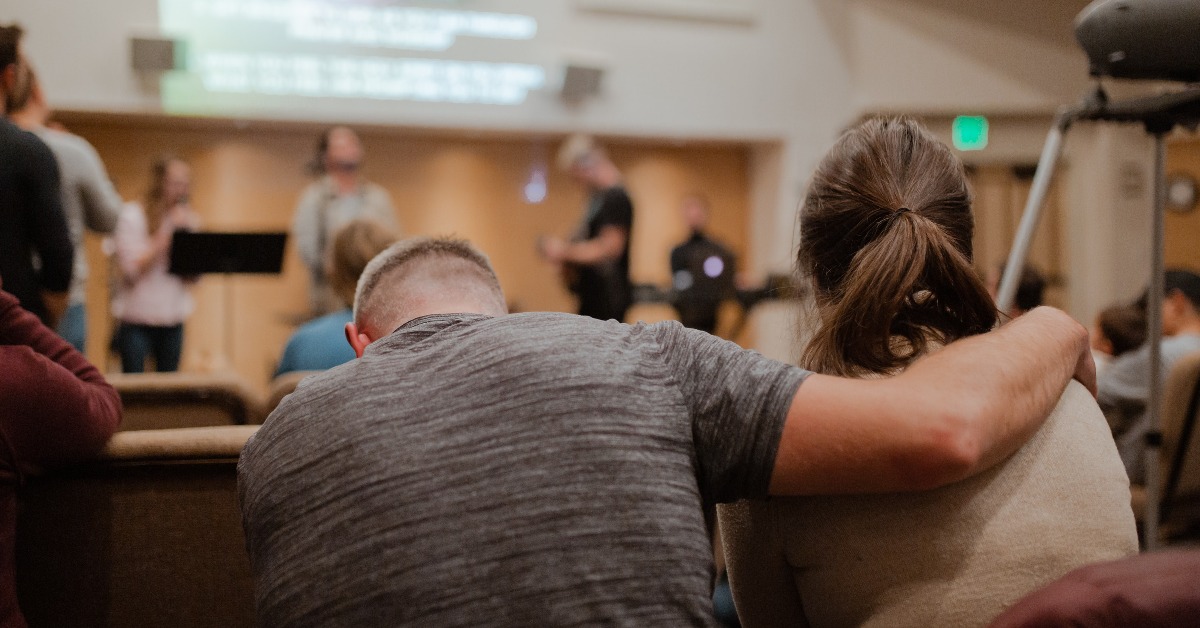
[(530, 469)]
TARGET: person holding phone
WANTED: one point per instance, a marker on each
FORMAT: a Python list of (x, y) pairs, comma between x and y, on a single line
[(150, 303)]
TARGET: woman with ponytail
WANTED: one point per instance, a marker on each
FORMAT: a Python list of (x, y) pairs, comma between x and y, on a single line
[(886, 243)]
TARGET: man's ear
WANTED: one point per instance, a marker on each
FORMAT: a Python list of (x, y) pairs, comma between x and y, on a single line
[(8, 78), (357, 339), (1177, 302)]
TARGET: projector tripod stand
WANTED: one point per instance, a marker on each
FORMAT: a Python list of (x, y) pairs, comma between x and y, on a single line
[(1160, 115)]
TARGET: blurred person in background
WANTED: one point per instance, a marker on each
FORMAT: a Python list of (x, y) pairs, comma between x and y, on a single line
[(32, 222), (594, 263), (1031, 290), (150, 304), (1124, 388), (886, 244), (321, 344), (702, 269), (88, 197), (340, 195), (1119, 329)]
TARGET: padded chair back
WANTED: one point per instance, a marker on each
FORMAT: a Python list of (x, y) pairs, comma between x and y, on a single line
[(155, 401), (1180, 459), (283, 386), (149, 535)]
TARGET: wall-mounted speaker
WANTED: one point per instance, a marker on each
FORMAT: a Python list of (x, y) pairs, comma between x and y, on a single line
[(155, 54), (580, 82)]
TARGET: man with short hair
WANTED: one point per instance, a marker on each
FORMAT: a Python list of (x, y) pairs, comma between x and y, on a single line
[(473, 467), (595, 262), (31, 214), (1124, 387)]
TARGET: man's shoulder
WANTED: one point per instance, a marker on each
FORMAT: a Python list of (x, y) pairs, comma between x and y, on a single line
[(538, 320), (618, 195), (73, 153), (554, 327), (1183, 343), (24, 143), (66, 144), (302, 409), (617, 191), (376, 191)]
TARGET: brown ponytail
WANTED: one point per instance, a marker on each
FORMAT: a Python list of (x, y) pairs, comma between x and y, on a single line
[(886, 233)]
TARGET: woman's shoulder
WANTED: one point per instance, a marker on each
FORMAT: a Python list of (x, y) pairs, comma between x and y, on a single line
[(131, 213), (1079, 419)]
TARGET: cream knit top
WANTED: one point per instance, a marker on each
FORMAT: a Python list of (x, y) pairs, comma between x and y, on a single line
[(956, 556)]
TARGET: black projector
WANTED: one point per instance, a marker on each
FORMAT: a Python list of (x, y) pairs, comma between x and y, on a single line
[(1142, 39)]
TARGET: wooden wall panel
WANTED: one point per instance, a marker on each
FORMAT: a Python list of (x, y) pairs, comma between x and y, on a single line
[(1182, 234), (248, 177)]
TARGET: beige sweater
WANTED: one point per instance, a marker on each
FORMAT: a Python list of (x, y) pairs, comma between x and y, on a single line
[(956, 556)]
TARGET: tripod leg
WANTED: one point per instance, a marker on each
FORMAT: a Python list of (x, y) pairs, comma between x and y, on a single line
[(1051, 153), (1154, 302)]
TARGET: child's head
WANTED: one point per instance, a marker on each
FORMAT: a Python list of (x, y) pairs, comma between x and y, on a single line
[(1119, 329)]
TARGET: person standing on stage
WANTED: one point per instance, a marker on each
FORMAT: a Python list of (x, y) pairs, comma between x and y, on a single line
[(702, 270), (595, 262), (88, 197), (341, 194), (31, 215), (150, 303)]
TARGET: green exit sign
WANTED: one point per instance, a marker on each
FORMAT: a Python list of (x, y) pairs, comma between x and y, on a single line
[(970, 132)]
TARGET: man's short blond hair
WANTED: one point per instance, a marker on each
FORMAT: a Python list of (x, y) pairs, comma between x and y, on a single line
[(382, 295), (575, 150)]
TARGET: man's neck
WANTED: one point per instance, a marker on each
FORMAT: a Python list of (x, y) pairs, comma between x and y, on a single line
[(444, 306), (28, 119), (1188, 328)]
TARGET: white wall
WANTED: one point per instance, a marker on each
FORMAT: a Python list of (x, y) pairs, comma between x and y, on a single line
[(965, 56)]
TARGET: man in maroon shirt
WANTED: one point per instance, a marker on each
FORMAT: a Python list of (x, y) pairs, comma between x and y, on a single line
[(55, 407)]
